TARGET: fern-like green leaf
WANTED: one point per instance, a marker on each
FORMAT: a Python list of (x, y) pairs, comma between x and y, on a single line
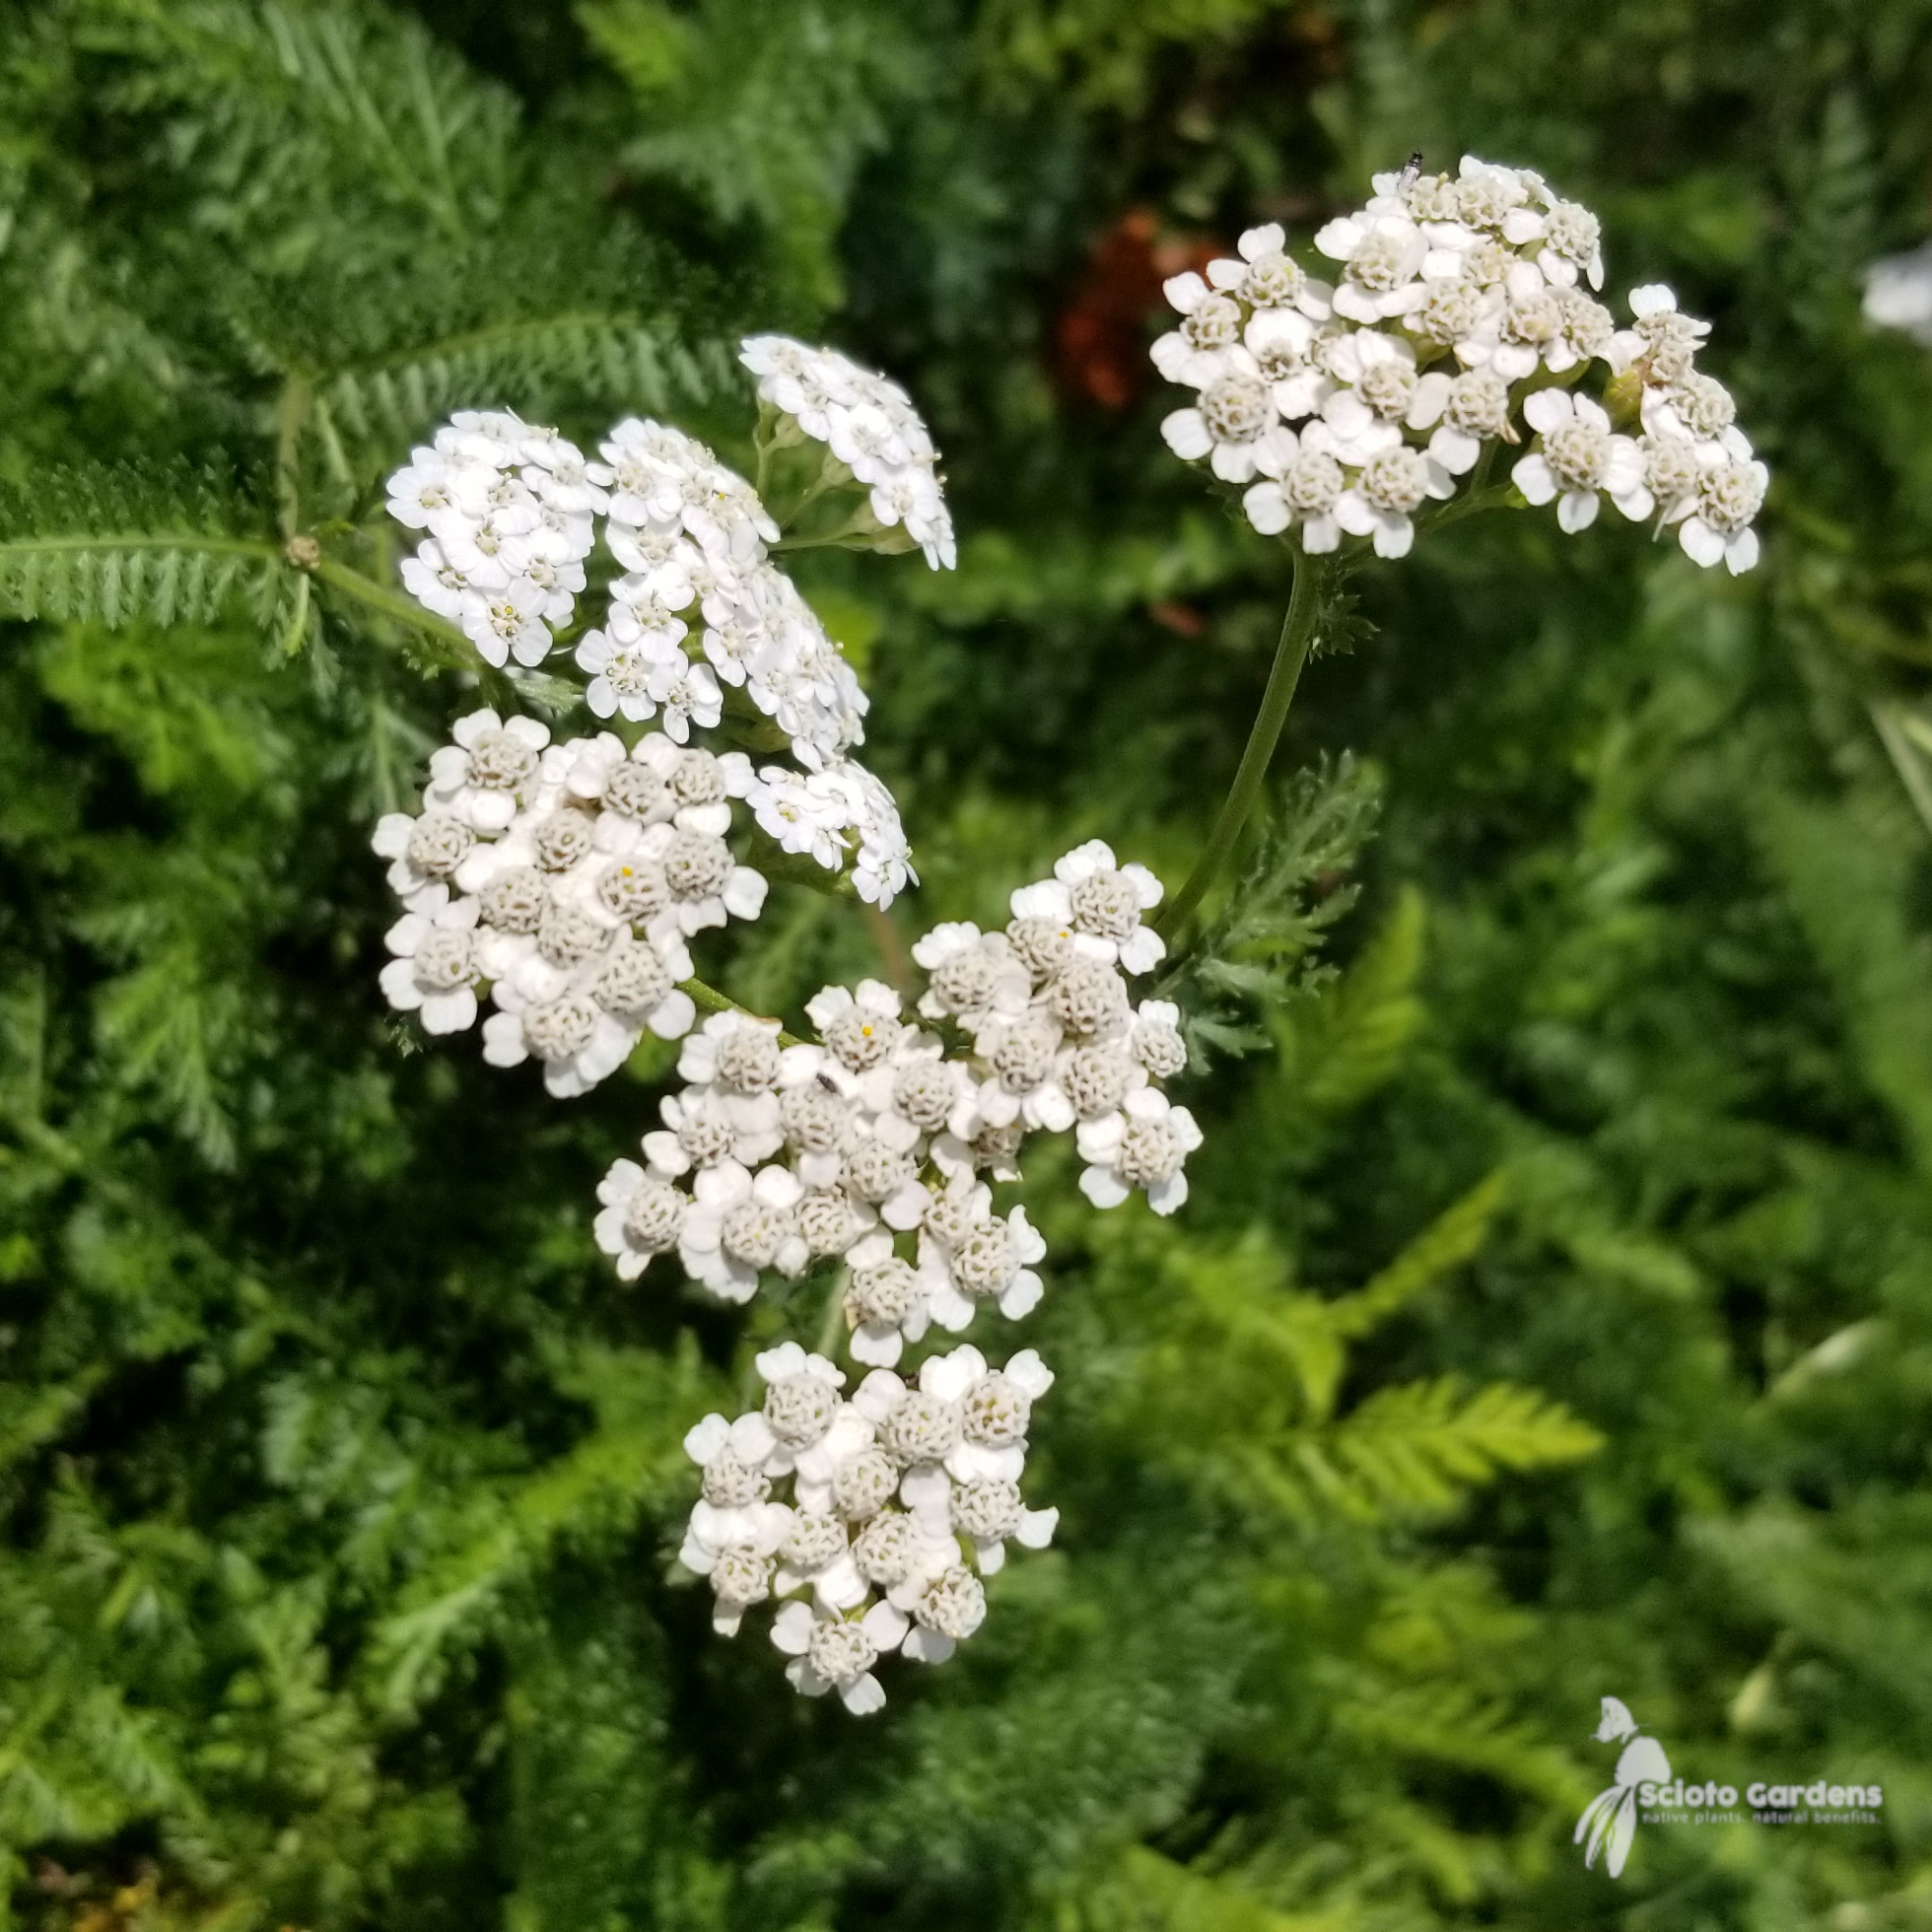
[(122, 545), (1416, 1445), (370, 412)]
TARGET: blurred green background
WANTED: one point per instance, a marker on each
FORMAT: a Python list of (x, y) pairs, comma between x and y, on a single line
[(1553, 1314)]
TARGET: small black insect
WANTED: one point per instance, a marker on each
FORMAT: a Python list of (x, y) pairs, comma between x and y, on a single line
[(1412, 168), (826, 1082)]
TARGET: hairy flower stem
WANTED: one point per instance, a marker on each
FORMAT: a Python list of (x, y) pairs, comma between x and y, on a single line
[(1298, 627)]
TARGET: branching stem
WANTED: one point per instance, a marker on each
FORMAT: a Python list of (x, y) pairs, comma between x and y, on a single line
[(1299, 628)]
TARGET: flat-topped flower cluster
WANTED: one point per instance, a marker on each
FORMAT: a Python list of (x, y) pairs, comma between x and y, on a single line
[(566, 880), (868, 1146), (1460, 316), (904, 1496), (872, 1149)]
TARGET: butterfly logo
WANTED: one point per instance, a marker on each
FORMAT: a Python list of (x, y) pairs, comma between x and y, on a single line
[(1610, 1820)]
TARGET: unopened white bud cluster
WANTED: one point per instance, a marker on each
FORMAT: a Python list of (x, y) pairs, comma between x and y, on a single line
[(869, 425), (1459, 319), (511, 510), (903, 1498), (567, 878), (869, 1144)]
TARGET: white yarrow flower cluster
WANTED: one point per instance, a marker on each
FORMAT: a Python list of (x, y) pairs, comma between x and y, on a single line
[(869, 425), (903, 1498), (509, 509), (700, 606), (1458, 317), (567, 879), (842, 817), (869, 1145)]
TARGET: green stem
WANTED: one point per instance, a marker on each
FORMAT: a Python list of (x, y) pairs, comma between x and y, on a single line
[(708, 999), (859, 525), (398, 605), (1298, 634), (1472, 502), (293, 413)]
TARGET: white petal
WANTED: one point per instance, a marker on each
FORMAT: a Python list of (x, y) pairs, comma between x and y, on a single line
[(1701, 544), (1576, 509), (1266, 508), (1532, 475), (1185, 432), (862, 1696), (792, 1629)]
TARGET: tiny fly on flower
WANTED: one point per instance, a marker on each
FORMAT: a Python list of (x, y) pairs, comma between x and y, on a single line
[(1411, 169)]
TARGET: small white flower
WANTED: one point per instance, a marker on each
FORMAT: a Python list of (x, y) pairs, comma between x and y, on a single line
[(1578, 457), (1023, 1086), (733, 1050), (1266, 278), (817, 1552), (1157, 1042), (990, 1260), (800, 813), (425, 851), (989, 1510), (1389, 489), (491, 769), (703, 883), (1730, 494), (423, 490), (861, 1026), (627, 678), (713, 1128), (1305, 484), (579, 1043), (1663, 337), (1566, 236), (1464, 411), (885, 1301), (436, 968), (1280, 343), (640, 1219), (971, 974), (1143, 1145), (739, 1225), (1382, 257), (1227, 424), (1101, 903), (830, 1652), (690, 698), (1208, 344)]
